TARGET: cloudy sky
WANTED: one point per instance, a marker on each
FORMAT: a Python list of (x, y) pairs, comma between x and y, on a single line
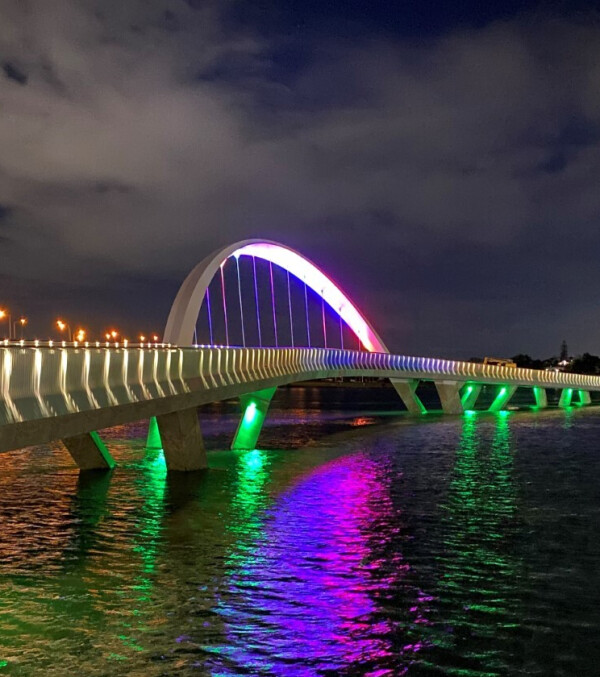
[(442, 165)]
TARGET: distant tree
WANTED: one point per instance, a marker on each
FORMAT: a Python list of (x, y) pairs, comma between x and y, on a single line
[(585, 364), (527, 362), (564, 351)]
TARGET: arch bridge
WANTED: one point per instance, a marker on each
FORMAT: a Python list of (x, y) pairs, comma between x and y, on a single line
[(269, 317)]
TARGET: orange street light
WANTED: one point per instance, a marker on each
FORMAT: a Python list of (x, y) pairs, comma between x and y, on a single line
[(155, 338), (142, 338), (4, 315), (22, 321), (114, 333), (80, 335), (64, 325)]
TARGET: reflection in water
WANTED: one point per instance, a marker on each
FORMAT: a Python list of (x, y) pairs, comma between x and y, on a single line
[(150, 483), (312, 561), (477, 590), (308, 581)]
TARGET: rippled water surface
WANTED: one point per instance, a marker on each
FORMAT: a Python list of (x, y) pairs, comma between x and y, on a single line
[(453, 547)]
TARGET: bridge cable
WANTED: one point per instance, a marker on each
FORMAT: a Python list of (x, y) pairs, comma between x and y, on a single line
[(210, 325), (256, 302), (273, 303), (224, 303), (323, 318), (237, 264), (290, 307), (306, 308)]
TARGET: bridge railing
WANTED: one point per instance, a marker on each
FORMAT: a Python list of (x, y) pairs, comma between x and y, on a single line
[(40, 382)]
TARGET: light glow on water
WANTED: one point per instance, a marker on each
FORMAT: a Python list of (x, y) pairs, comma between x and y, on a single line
[(439, 548)]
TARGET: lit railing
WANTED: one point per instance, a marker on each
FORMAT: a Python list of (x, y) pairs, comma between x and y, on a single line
[(40, 381)]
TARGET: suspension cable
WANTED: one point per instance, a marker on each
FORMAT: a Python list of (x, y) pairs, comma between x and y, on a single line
[(290, 308), (273, 303), (306, 309), (237, 264), (224, 303), (210, 324), (256, 302), (323, 318)]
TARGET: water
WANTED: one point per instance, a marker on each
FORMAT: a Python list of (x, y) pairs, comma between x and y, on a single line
[(454, 547)]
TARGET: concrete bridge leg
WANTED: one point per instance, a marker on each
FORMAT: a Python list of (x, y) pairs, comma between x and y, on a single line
[(254, 411), (541, 397), (406, 391), (584, 397), (449, 393), (153, 441), (182, 440), (502, 398), (565, 397), (89, 452), (469, 395)]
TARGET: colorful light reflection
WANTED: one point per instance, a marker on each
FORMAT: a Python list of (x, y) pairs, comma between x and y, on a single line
[(309, 578)]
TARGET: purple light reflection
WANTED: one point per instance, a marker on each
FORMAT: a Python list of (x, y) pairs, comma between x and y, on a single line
[(311, 593)]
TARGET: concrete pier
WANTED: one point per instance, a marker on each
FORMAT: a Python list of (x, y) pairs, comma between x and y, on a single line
[(406, 390), (470, 394), (254, 411), (89, 452), (449, 394), (182, 440)]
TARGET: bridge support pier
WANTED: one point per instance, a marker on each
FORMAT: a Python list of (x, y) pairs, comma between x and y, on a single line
[(469, 395), (584, 397), (406, 391), (449, 394), (153, 441), (541, 397), (89, 452), (502, 398), (182, 440), (565, 397), (254, 411)]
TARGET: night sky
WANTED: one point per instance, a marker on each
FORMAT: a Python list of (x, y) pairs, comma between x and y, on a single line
[(441, 160)]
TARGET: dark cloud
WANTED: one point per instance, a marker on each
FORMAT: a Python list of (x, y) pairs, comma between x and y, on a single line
[(449, 182), (13, 73)]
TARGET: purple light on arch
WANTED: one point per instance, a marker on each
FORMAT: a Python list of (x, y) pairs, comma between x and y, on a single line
[(314, 278)]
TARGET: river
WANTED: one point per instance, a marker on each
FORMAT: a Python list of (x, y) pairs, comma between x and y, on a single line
[(353, 542)]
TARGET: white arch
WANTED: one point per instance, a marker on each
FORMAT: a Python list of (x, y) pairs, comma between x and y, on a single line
[(186, 307)]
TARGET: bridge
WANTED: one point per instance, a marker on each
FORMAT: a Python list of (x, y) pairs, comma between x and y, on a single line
[(70, 391)]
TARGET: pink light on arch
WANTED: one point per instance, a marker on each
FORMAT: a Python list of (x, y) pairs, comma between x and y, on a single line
[(314, 278)]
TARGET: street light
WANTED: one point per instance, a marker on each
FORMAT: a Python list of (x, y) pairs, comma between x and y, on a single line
[(22, 321), (62, 326), (4, 315), (80, 335)]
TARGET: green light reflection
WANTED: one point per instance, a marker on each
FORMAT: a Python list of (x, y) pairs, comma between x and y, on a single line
[(478, 570)]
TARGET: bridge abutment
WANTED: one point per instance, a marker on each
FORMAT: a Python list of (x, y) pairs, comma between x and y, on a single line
[(407, 392), (254, 411), (89, 452), (182, 440)]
